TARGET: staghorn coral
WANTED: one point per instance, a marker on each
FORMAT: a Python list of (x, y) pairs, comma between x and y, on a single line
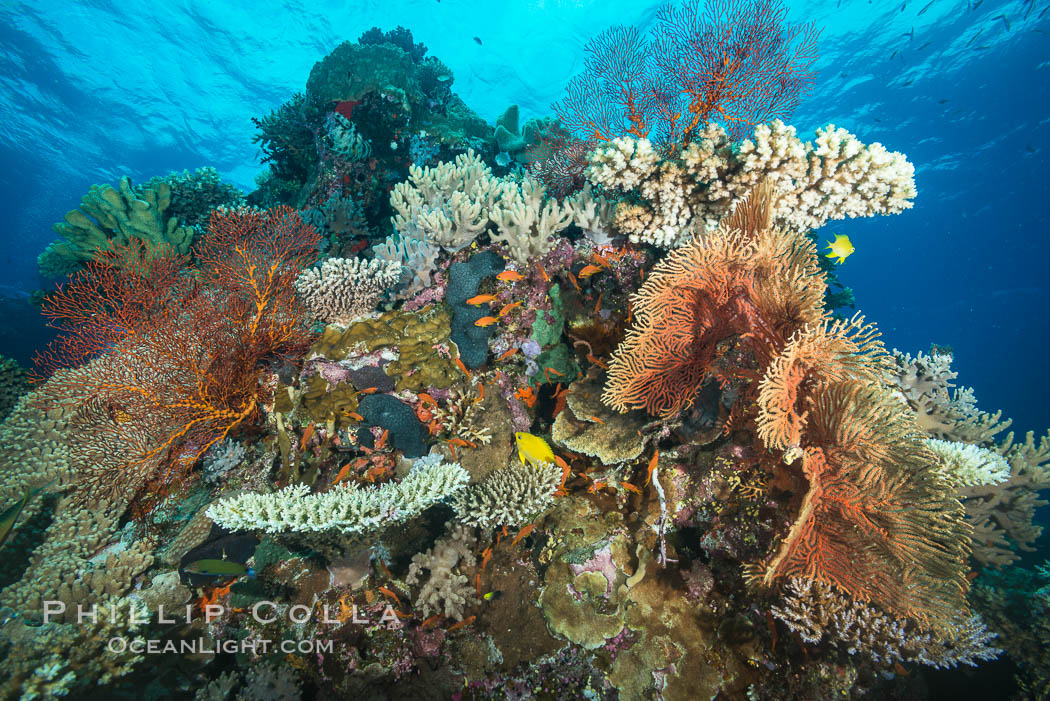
[(343, 289), (834, 178), (446, 590), (346, 509), (817, 611), (510, 496)]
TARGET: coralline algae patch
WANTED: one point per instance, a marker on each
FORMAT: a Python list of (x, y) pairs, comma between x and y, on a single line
[(276, 440)]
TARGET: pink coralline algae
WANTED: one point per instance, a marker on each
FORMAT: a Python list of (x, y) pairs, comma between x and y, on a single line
[(601, 561)]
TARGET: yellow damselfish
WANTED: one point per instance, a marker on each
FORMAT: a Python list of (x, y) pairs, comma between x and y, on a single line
[(533, 449), (841, 248)]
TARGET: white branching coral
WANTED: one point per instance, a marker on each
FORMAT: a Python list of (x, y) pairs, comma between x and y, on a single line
[(418, 261), (835, 177), (447, 205), (447, 590), (346, 509), (510, 496), (343, 289), (817, 611), (524, 222), (966, 465), (452, 203)]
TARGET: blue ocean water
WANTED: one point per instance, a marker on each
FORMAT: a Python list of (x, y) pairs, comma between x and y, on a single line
[(94, 90)]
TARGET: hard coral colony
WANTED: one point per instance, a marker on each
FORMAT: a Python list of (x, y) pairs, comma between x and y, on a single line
[(558, 411)]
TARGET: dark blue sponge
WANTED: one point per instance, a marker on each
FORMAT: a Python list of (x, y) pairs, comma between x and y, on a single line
[(407, 433), (463, 281)]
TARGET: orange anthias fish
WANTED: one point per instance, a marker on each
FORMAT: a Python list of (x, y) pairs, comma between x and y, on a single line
[(587, 271), (630, 487), (510, 276), (508, 354), (481, 299), (486, 321), (390, 593), (524, 532), (465, 622), (509, 308), (652, 466)]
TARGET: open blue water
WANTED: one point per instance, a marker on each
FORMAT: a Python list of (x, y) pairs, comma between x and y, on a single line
[(93, 90)]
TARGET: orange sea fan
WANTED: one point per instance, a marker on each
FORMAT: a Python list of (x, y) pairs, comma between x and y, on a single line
[(175, 382), (877, 519), (815, 355), (746, 281)]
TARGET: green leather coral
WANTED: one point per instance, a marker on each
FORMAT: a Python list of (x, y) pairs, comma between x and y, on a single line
[(108, 214)]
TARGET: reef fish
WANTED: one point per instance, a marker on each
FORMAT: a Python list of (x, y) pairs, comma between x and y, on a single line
[(11, 513), (218, 568), (533, 450), (840, 248)]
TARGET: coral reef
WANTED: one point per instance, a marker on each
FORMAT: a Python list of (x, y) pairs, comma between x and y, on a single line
[(303, 428)]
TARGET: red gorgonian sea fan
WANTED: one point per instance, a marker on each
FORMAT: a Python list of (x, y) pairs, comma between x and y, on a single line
[(161, 387), (736, 62)]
